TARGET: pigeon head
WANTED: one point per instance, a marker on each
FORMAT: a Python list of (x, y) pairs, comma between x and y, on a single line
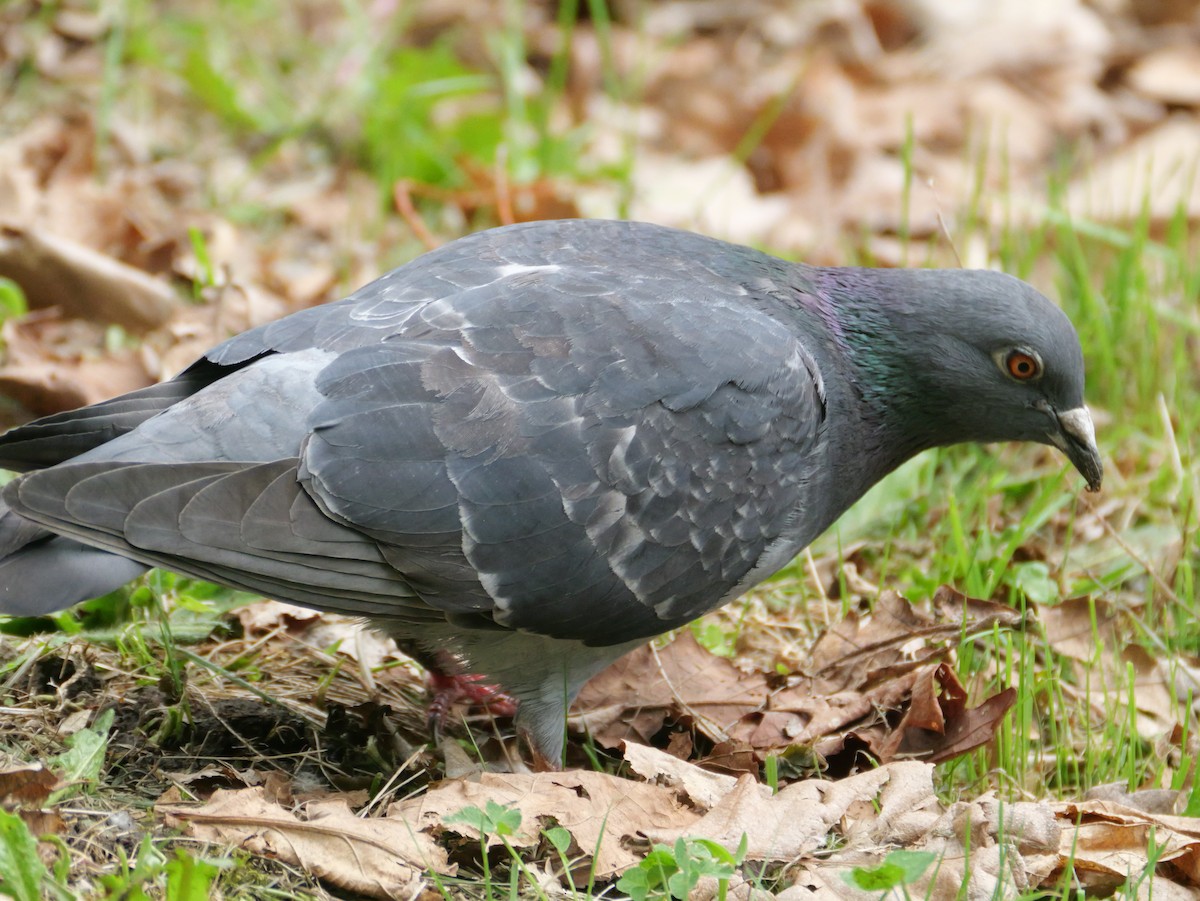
[(970, 355)]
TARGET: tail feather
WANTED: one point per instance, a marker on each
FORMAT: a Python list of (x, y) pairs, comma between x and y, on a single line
[(54, 573), (41, 572), (16, 532), (62, 436)]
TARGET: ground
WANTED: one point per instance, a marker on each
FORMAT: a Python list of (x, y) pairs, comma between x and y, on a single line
[(979, 685)]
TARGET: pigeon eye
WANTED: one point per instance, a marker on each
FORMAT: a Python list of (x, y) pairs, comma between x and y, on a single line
[(1022, 365)]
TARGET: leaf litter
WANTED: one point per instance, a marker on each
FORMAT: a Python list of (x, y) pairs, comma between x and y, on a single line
[(813, 830), (100, 233), (886, 660), (809, 833)]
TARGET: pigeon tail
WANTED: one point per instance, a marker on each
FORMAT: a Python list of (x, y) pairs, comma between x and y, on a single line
[(41, 572)]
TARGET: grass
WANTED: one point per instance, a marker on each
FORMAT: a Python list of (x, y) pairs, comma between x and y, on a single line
[(1004, 523)]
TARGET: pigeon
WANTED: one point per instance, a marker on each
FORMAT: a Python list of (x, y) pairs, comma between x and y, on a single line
[(538, 446)]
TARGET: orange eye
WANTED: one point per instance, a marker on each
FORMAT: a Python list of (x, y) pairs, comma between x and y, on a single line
[(1022, 366)]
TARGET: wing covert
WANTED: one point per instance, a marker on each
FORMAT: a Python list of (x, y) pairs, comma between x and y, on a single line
[(587, 466)]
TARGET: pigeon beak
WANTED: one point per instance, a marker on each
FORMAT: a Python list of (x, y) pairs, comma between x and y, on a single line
[(1077, 439)]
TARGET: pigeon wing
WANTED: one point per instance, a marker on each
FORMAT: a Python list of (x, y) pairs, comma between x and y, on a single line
[(580, 460)]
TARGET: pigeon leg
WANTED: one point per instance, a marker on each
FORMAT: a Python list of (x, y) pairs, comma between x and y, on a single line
[(447, 689), (448, 686)]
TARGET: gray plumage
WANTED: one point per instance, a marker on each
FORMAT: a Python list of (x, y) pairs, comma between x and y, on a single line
[(539, 445)]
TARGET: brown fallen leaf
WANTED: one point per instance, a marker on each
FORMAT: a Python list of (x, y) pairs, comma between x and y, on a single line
[(634, 697), (972, 615), (55, 272), (266, 616), (26, 786), (1080, 627), (54, 364), (43, 822), (50, 387), (1095, 633), (606, 815), (935, 688), (938, 725), (734, 758), (701, 787), (381, 857), (799, 818), (981, 846), (715, 195), (1170, 74), (896, 636), (613, 819), (1148, 800), (26, 789), (1104, 842), (990, 846), (1150, 176), (202, 783), (862, 667), (229, 309), (801, 714), (992, 869)]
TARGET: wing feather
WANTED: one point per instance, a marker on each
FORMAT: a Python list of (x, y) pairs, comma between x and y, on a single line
[(192, 519), (608, 468)]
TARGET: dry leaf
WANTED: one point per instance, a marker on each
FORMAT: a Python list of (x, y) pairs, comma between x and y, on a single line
[(883, 642), (55, 272), (43, 822), (202, 783), (938, 726), (1095, 632), (1080, 627), (801, 714), (603, 813), (1106, 841), (53, 386), (231, 308), (1156, 172), (799, 818), (896, 636), (716, 196), (265, 616), (1170, 74), (382, 857), (702, 788), (52, 363), (863, 665), (28, 786), (636, 695)]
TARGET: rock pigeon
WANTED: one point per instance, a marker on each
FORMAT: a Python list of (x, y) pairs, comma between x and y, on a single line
[(540, 445)]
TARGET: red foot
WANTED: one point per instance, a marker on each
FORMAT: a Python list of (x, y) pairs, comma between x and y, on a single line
[(446, 690)]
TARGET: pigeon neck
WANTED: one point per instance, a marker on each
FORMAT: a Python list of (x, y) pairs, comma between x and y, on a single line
[(881, 330)]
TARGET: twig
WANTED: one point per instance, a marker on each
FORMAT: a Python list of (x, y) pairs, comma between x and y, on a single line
[(402, 197), (684, 705), (504, 208), (816, 578)]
